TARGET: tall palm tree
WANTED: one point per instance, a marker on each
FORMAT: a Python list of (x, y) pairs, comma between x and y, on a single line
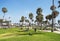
[(53, 8), (39, 16), (54, 15), (49, 17), (4, 10), (31, 16), (22, 19)]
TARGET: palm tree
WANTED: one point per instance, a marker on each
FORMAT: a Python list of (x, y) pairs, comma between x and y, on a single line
[(27, 21), (39, 19), (4, 10), (39, 11), (55, 13), (59, 22), (31, 16), (39, 16), (35, 21), (49, 17), (53, 8), (22, 19), (45, 24)]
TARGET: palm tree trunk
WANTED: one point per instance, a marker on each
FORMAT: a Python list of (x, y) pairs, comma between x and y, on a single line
[(41, 26), (3, 16), (52, 29), (22, 25)]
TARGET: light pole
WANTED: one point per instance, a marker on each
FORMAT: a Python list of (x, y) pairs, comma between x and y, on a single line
[(53, 9)]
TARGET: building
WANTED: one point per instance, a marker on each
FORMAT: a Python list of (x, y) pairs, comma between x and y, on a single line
[(4, 23)]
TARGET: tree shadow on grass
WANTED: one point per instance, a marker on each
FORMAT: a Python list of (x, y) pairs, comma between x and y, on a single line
[(30, 33), (22, 31)]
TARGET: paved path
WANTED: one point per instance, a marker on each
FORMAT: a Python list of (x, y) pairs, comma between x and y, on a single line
[(50, 31)]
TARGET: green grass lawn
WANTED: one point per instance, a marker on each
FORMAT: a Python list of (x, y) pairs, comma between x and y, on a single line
[(16, 34)]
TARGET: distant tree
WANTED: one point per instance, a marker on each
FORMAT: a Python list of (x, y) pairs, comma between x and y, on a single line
[(26, 20), (31, 16), (49, 17), (59, 22), (22, 19), (35, 21), (45, 24), (4, 10)]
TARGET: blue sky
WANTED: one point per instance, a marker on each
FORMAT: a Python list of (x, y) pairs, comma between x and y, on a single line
[(18, 8)]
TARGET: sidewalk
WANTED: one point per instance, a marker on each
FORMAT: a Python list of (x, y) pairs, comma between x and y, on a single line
[(50, 31)]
